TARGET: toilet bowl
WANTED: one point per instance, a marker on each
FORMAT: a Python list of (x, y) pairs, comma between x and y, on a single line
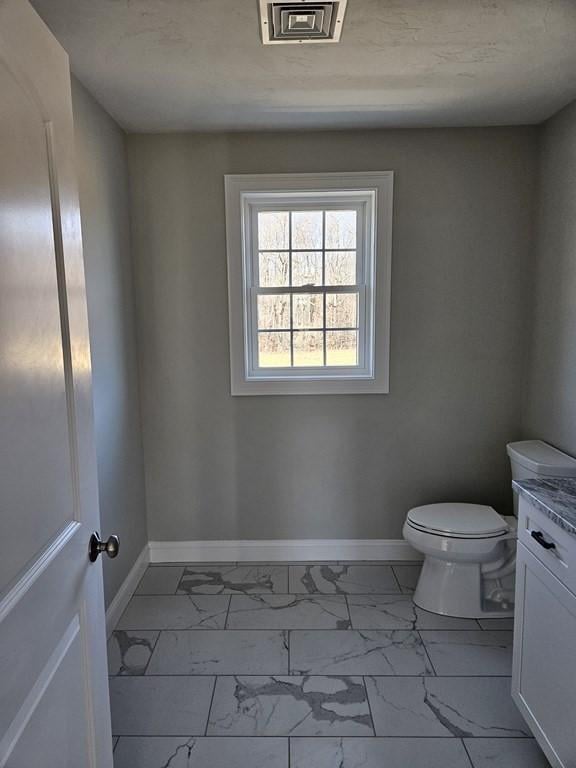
[(470, 550), (469, 558)]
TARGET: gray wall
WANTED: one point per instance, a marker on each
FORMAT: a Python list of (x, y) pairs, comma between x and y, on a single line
[(102, 172), (335, 466), (551, 400)]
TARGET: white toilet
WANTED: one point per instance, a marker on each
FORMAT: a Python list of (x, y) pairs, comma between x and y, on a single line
[(470, 550)]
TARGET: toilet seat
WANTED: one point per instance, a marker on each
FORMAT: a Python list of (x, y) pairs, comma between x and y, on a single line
[(460, 521)]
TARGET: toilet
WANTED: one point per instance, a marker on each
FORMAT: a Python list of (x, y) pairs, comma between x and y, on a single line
[(470, 550)]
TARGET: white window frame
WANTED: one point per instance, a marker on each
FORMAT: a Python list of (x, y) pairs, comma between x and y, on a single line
[(371, 195)]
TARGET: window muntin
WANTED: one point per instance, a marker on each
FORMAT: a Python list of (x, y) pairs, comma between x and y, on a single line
[(315, 328), (309, 280)]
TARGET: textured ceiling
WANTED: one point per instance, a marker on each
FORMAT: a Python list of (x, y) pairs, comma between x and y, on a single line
[(165, 65)]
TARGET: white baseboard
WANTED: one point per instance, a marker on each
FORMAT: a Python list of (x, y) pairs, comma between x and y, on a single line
[(127, 588), (279, 550)]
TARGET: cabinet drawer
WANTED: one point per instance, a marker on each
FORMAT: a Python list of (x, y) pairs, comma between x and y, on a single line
[(561, 558), (544, 672)]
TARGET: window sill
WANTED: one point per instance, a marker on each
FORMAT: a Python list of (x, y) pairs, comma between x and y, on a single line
[(358, 386)]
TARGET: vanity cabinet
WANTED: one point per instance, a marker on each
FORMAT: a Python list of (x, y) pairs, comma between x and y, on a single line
[(544, 668)]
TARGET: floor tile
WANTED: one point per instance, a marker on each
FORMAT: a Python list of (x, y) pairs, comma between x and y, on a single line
[(160, 706), (436, 691), (444, 706), (398, 612), (378, 753), (247, 579), (342, 579), (160, 580), (288, 612), (478, 652), (222, 652), (130, 652), (175, 612), (284, 706), (497, 623), (511, 753), (375, 652), (407, 576), (183, 752)]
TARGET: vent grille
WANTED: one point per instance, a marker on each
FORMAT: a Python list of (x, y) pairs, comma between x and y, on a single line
[(301, 21)]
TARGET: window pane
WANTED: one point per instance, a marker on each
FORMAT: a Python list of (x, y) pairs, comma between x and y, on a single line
[(341, 347), (307, 229), (342, 310), (307, 268), (273, 269), (274, 350), (273, 311), (340, 229), (340, 267), (307, 310), (308, 348), (273, 230)]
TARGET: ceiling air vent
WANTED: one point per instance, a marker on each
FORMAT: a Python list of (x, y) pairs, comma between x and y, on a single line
[(301, 21)]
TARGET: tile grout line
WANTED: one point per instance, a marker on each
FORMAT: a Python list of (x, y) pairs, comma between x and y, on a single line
[(396, 579), (369, 705), (313, 674), (349, 612), (450, 739), (225, 627), (306, 629), (152, 654), (140, 581), (383, 593), (180, 580), (210, 707)]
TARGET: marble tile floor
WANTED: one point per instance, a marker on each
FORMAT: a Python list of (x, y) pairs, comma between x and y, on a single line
[(328, 665)]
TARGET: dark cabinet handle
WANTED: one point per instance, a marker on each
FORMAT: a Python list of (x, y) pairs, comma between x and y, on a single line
[(539, 536)]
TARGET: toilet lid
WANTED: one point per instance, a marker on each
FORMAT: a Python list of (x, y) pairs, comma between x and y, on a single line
[(472, 520)]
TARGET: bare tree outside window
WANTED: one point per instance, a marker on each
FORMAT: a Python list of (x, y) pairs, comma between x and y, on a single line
[(303, 253)]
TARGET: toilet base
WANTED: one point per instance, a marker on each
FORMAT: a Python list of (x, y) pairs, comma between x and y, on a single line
[(462, 590)]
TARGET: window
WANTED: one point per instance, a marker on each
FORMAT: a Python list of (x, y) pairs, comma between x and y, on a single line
[(309, 274)]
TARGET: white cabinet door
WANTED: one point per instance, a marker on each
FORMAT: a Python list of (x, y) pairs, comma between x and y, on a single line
[(54, 710), (544, 672)]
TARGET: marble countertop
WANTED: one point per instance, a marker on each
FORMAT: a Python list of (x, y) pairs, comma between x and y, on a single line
[(554, 496)]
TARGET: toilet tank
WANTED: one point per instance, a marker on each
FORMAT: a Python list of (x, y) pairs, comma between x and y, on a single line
[(534, 458)]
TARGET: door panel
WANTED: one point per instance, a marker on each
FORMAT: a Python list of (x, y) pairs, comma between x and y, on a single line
[(33, 409), (24, 649), (62, 690), (54, 706)]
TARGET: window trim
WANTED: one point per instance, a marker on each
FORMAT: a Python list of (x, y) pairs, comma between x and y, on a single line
[(243, 194)]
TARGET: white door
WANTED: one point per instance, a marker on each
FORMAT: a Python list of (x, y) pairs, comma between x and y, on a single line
[(54, 709)]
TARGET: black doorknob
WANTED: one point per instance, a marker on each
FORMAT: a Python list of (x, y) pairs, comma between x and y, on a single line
[(97, 546)]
